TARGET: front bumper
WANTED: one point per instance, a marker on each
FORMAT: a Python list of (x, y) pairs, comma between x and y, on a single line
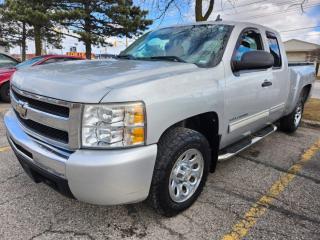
[(105, 177)]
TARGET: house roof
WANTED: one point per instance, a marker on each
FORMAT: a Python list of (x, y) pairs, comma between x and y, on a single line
[(295, 45)]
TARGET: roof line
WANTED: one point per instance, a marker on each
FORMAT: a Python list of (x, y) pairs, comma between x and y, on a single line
[(303, 42)]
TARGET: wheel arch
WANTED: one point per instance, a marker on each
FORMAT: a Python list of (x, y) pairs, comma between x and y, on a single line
[(305, 92), (208, 125)]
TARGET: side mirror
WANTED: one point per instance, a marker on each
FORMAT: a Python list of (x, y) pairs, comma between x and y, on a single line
[(254, 60)]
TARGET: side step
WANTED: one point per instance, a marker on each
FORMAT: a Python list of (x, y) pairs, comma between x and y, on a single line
[(237, 147)]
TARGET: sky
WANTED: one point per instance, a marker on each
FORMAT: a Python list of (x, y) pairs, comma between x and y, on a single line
[(285, 16)]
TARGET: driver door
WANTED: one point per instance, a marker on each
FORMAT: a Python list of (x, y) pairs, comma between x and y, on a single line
[(246, 98)]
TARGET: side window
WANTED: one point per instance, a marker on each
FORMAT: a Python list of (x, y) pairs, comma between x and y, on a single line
[(249, 41), (274, 50)]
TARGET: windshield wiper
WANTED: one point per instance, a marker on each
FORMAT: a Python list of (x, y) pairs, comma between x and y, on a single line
[(162, 58), (126, 56), (168, 58)]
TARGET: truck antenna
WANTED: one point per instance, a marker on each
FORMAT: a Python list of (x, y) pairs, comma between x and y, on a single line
[(218, 19)]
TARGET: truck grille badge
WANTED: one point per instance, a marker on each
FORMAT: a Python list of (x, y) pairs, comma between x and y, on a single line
[(22, 109)]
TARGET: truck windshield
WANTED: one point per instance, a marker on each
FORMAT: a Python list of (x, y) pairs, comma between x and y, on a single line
[(202, 45)]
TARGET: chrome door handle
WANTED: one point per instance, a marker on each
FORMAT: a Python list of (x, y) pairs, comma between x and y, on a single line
[(266, 83)]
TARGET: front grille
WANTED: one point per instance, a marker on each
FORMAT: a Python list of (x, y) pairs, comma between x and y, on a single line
[(43, 106), (52, 133), (53, 121)]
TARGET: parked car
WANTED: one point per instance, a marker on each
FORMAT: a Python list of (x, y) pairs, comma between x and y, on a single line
[(6, 61), (6, 72), (153, 123)]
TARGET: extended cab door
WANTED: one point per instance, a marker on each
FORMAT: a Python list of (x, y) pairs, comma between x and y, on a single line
[(247, 100), (279, 90)]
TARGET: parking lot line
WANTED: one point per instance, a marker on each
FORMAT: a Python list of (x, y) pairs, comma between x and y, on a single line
[(4, 149), (241, 229)]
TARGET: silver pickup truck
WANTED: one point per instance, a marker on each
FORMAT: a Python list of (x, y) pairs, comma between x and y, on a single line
[(152, 123)]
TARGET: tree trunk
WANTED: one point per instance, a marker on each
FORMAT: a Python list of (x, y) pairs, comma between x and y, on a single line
[(198, 10), (37, 40), (88, 50), (23, 42)]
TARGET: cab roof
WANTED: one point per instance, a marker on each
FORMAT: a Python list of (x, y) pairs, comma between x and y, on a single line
[(230, 23)]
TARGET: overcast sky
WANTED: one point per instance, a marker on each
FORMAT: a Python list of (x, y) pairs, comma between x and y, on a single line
[(285, 16)]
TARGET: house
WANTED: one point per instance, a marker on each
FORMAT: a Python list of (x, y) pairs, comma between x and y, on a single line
[(300, 51)]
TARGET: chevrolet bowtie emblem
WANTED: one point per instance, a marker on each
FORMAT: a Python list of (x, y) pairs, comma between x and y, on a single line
[(22, 109)]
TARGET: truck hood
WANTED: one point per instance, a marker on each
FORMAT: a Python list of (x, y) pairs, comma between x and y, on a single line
[(90, 81)]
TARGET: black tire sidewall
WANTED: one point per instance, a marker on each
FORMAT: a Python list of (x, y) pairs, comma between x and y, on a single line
[(172, 208), (287, 123), (293, 127), (5, 89)]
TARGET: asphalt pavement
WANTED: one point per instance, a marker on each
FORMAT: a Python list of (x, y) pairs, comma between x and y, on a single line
[(270, 191)]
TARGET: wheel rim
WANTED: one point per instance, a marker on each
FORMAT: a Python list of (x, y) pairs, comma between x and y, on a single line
[(298, 115), (186, 175)]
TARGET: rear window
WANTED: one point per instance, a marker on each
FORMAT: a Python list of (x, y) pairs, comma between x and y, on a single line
[(274, 49)]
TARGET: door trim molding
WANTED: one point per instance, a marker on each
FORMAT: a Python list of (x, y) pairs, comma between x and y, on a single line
[(277, 107), (248, 120), (255, 117)]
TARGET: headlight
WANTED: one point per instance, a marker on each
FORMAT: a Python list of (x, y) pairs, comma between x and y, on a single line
[(113, 125)]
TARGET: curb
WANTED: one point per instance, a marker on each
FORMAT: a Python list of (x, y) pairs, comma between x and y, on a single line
[(309, 123)]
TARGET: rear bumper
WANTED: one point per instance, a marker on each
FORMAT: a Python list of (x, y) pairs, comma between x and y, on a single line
[(105, 177)]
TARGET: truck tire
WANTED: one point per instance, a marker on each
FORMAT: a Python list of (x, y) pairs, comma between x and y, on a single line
[(5, 92), (291, 122), (180, 171)]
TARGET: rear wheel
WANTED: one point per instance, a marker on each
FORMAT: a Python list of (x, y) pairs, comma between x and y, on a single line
[(180, 172), (5, 92), (291, 122)]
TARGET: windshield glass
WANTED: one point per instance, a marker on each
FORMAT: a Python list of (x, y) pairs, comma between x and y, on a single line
[(7, 62), (29, 62), (197, 44)]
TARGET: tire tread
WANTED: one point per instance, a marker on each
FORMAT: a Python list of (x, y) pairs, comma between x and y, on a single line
[(168, 146)]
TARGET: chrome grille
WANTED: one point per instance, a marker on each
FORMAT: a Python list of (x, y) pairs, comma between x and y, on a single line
[(62, 111), (53, 121)]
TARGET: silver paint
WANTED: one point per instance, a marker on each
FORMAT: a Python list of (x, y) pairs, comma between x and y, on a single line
[(171, 92)]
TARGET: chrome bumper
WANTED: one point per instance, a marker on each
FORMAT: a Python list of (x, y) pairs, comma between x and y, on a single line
[(105, 177), (43, 155)]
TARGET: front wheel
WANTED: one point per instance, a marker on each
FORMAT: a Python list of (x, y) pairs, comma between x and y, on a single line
[(291, 122), (5, 92), (180, 172)]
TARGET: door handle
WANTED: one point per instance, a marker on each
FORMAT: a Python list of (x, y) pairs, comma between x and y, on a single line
[(266, 83)]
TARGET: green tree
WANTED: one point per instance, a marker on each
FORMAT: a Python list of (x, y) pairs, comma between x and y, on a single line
[(40, 16), (94, 21), (13, 30)]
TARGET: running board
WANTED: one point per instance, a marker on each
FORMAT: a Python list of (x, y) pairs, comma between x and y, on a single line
[(237, 147)]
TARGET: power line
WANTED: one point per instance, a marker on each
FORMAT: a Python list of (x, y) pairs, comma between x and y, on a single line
[(280, 12), (314, 4), (239, 6), (253, 3), (298, 29), (302, 35), (276, 4)]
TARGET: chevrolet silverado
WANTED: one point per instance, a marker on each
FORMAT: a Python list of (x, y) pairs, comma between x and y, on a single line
[(152, 123)]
